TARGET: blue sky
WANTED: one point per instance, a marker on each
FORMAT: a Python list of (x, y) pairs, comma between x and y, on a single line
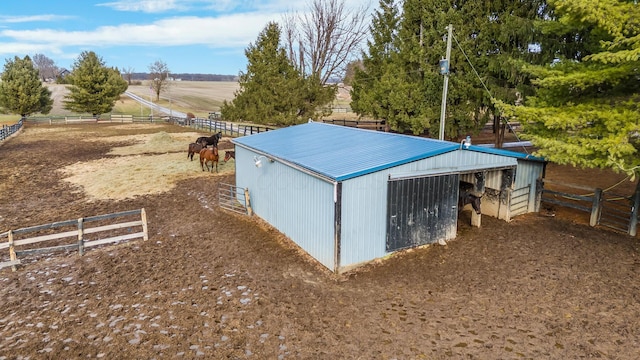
[(190, 36)]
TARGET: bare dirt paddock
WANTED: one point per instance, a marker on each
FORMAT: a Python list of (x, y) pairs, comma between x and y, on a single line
[(212, 285)]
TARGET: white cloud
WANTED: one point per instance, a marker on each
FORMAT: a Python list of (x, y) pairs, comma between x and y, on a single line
[(225, 31), (147, 6), (33, 18)]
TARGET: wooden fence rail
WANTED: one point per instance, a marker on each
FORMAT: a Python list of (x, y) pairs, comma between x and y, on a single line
[(378, 125), (227, 128), (79, 233), (619, 212), (105, 118)]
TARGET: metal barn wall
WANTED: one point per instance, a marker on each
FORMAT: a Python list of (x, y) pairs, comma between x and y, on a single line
[(363, 230), (529, 172), (297, 204), (364, 201)]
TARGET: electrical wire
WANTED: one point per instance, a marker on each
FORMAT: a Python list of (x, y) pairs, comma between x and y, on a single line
[(485, 87)]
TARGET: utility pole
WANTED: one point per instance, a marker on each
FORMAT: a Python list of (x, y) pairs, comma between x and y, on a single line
[(444, 70)]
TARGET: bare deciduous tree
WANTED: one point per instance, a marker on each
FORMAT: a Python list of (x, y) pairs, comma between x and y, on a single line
[(159, 76), (128, 74), (47, 69), (322, 41)]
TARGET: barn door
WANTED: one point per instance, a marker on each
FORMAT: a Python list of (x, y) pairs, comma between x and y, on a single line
[(421, 211)]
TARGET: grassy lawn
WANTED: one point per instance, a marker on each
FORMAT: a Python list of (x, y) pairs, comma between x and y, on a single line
[(9, 119)]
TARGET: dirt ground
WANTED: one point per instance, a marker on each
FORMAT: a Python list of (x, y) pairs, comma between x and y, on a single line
[(213, 285)]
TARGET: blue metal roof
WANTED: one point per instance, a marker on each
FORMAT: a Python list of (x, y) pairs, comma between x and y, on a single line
[(341, 153)]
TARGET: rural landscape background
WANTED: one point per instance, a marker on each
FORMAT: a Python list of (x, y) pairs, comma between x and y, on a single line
[(196, 97)]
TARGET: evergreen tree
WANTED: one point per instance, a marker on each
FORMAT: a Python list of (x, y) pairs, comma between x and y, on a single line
[(489, 38), (272, 91), (21, 91), (585, 112), (94, 87), (369, 93)]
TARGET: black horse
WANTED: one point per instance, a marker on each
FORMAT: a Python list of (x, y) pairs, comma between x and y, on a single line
[(466, 196), (211, 140)]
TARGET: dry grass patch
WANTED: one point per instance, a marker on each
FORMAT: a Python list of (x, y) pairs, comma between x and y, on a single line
[(154, 165), (161, 142)]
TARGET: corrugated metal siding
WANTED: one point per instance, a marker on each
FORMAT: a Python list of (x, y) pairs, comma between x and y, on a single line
[(528, 172), (363, 218), (298, 205)]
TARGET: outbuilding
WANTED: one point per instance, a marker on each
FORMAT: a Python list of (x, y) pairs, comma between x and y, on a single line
[(348, 196)]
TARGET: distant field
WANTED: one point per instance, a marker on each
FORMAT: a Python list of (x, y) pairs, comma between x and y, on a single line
[(197, 97)]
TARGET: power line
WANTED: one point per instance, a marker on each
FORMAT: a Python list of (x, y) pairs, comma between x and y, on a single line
[(485, 87)]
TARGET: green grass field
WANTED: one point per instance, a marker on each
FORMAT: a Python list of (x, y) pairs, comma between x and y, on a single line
[(9, 119)]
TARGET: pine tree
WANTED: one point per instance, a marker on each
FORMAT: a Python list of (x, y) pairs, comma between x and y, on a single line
[(369, 92), (585, 112), (94, 87), (489, 39), (272, 91), (21, 91)]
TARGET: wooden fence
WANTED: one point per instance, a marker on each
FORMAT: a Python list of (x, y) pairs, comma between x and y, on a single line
[(360, 124), (618, 212), (227, 128), (105, 118), (8, 130), (58, 231)]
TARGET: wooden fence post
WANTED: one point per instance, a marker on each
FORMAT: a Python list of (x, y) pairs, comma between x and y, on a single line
[(247, 201), (12, 250), (80, 236), (596, 208), (633, 223), (143, 216)]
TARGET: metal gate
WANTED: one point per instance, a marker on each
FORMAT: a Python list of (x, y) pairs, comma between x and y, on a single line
[(421, 211), (233, 198), (519, 201), (615, 211)]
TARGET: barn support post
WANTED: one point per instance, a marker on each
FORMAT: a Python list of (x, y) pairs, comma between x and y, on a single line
[(504, 197), (80, 236), (596, 208), (476, 219), (538, 196), (633, 223), (12, 251), (507, 208)]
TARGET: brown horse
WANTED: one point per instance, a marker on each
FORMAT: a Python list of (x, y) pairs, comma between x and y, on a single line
[(228, 155), (193, 148), (209, 155)]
